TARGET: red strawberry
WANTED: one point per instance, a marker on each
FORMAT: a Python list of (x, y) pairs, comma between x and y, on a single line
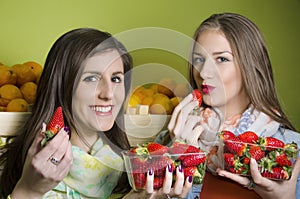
[(157, 149), (276, 173), (235, 146), (225, 135), (197, 95), (271, 143), (158, 182), (193, 171), (248, 137), (256, 152), (282, 160), (56, 123), (139, 180), (232, 161), (159, 164), (193, 160), (246, 160)]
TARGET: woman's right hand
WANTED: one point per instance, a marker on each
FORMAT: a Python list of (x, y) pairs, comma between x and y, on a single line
[(184, 125), (180, 189), (40, 175)]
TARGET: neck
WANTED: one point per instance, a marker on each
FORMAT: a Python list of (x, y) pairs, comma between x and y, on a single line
[(84, 141)]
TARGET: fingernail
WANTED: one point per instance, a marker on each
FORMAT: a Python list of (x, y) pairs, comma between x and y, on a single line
[(67, 129), (170, 168), (190, 179), (180, 168), (150, 172)]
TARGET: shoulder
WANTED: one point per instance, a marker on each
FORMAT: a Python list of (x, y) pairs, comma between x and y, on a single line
[(288, 136)]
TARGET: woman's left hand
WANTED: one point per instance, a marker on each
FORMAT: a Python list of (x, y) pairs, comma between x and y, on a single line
[(266, 188), (180, 188)]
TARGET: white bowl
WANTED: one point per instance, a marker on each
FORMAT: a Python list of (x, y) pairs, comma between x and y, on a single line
[(10, 122), (144, 128)]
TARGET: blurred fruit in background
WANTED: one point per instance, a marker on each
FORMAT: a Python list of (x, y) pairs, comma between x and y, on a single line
[(161, 97), (18, 85)]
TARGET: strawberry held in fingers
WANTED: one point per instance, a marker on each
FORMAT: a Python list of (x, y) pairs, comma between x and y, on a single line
[(56, 123), (197, 96)]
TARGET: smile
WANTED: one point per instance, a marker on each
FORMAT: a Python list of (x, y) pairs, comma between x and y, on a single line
[(102, 109)]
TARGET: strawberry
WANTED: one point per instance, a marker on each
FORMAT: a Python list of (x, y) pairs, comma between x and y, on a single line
[(193, 160), (282, 160), (156, 148), (194, 172), (248, 137), (197, 96), (256, 152), (56, 123), (139, 180), (277, 173), (291, 149), (235, 146), (225, 135), (158, 182), (271, 143), (159, 164)]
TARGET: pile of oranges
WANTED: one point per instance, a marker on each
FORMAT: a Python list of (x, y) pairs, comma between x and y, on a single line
[(161, 97), (18, 84)]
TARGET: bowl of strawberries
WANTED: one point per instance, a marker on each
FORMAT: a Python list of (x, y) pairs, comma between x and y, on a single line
[(274, 158), (141, 158)]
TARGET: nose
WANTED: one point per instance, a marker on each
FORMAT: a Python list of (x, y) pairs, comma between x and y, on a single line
[(207, 69), (105, 89)]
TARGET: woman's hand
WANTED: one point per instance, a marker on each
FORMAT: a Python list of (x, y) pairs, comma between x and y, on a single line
[(266, 188), (183, 125), (40, 174), (180, 189)]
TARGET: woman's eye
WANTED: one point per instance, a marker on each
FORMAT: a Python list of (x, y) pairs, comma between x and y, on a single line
[(198, 60), (116, 79), (91, 79), (222, 59)]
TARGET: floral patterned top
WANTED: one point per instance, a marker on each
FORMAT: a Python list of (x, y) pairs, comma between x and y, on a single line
[(91, 176)]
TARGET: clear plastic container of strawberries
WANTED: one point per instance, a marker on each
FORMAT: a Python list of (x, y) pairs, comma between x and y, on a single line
[(141, 158), (274, 157)]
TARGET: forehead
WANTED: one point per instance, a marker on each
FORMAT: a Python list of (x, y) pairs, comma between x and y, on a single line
[(103, 60), (212, 41)]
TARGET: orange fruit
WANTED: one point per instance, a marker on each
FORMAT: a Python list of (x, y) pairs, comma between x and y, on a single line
[(28, 91), (181, 90), (17, 105), (161, 104), (2, 108), (4, 102), (166, 86), (175, 101), (7, 75), (24, 74), (154, 87), (35, 67), (134, 100), (148, 100), (10, 92)]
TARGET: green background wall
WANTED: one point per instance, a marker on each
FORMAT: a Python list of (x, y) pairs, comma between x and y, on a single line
[(29, 28)]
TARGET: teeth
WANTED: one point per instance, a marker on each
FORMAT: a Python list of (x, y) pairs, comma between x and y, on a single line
[(101, 109)]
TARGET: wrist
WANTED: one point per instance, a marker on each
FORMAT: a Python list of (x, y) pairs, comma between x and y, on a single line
[(20, 192)]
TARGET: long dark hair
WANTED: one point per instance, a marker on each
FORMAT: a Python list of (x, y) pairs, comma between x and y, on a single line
[(56, 86), (252, 56)]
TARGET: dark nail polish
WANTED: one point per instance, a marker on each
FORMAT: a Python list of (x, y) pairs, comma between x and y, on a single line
[(67, 129), (150, 172), (170, 168), (180, 168), (190, 179)]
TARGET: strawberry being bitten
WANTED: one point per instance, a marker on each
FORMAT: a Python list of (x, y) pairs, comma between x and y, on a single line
[(56, 123)]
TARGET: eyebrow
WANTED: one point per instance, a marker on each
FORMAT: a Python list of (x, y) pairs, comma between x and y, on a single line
[(215, 53), (97, 73)]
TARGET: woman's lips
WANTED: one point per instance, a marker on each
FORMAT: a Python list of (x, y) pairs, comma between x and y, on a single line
[(206, 89)]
